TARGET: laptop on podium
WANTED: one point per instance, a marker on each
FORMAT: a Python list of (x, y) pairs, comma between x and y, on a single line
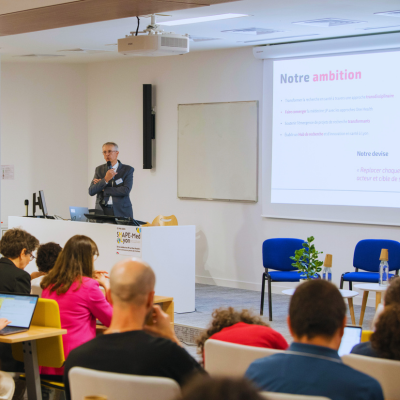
[(19, 309)]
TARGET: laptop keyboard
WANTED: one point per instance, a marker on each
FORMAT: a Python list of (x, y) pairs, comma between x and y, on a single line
[(9, 330)]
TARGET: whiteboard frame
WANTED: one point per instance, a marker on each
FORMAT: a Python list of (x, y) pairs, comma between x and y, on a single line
[(257, 152)]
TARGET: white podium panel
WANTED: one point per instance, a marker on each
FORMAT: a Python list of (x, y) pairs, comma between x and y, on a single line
[(170, 250)]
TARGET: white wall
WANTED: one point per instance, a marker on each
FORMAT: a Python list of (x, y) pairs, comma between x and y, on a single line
[(229, 235), (44, 135)]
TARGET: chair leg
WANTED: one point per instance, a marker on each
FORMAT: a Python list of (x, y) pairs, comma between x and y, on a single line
[(350, 285), (262, 294), (269, 298), (341, 282)]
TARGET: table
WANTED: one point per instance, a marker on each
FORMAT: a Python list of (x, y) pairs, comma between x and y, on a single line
[(166, 304), (28, 340), (347, 294), (170, 250), (367, 287)]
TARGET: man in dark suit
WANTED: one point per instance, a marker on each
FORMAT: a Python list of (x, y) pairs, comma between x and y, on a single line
[(112, 184)]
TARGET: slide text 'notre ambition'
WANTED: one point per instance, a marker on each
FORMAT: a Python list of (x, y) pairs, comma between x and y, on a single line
[(332, 76)]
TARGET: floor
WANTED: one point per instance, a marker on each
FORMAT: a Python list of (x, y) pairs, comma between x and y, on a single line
[(210, 297)]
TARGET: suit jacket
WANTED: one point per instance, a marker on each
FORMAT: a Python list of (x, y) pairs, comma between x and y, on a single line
[(13, 279), (122, 205)]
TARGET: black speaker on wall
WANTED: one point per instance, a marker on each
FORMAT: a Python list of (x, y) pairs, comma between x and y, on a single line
[(148, 126)]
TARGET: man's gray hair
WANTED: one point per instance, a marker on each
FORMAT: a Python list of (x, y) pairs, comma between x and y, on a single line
[(111, 144)]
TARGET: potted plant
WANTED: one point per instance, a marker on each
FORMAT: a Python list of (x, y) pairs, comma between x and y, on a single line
[(306, 260)]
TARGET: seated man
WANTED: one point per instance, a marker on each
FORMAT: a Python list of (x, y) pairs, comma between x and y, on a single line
[(311, 365), (140, 339)]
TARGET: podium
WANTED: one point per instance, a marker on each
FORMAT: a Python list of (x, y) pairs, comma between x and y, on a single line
[(170, 251)]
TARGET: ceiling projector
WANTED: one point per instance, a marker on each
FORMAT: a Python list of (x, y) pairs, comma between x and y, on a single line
[(154, 43)]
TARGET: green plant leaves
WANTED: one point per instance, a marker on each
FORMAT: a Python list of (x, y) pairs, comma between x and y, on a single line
[(306, 259)]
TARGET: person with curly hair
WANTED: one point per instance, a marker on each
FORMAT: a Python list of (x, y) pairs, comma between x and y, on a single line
[(385, 341), (17, 247), (241, 327), (45, 259), (392, 296), (206, 388)]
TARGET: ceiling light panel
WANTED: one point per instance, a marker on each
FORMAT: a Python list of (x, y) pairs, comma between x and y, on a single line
[(202, 19), (277, 38), (328, 22), (252, 31), (380, 27), (201, 39), (395, 13)]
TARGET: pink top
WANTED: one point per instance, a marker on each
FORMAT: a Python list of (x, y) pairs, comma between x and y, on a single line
[(79, 309)]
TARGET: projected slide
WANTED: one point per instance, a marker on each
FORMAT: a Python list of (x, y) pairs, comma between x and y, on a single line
[(336, 131)]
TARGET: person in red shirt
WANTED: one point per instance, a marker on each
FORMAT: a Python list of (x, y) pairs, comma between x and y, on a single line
[(241, 327)]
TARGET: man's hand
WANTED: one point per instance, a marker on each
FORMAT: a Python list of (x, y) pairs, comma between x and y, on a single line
[(96, 181), (4, 322), (110, 174), (161, 325), (36, 274)]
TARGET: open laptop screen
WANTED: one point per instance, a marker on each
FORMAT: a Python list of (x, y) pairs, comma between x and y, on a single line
[(351, 337), (18, 309)]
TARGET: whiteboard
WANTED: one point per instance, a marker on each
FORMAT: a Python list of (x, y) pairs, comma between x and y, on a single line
[(218, 151)]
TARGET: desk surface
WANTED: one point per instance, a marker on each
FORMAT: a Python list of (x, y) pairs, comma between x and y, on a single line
[(35, 332)]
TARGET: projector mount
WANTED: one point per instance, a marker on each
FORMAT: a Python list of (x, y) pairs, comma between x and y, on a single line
[(152, 28)]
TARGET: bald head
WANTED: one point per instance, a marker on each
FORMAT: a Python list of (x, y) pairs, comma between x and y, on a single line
[(131, 281)]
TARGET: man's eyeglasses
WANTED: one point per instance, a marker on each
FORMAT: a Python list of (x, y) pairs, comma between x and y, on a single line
[(31, 256), (109, 152)]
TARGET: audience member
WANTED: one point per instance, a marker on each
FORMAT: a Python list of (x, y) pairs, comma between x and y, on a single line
[(45, 259), (312, 366), (129, 346), (74, 285), (46, 256), (385, 341), (16, 246), (229, 325), (392, 296), (206, 388)]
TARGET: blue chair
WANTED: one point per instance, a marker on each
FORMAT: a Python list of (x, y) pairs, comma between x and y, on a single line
[(366, 258), (276, 255)]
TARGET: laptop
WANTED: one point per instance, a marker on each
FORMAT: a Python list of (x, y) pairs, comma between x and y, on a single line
[(19, 309), (78, 213), (351, 337)]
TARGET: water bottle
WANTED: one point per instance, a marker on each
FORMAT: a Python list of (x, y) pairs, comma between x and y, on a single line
[(384, 268), (327, 274), (327, 271), (383, 273)]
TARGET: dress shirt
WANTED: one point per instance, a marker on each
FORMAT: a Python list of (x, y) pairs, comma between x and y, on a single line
[(115, 167)]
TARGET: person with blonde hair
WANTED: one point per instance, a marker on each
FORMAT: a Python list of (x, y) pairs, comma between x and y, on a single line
[(74, 285)]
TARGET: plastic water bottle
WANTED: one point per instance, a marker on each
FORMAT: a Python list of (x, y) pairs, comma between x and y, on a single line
[(384, 273), (327, 274)]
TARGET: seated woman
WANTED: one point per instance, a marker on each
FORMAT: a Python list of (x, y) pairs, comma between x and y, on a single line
[(45, 259), (385, 341), (392, 296), (74, 285), (16, 246), (241, 327)]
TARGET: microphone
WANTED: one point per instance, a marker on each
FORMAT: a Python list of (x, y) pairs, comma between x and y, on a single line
[(109, 166), (26, 207)]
